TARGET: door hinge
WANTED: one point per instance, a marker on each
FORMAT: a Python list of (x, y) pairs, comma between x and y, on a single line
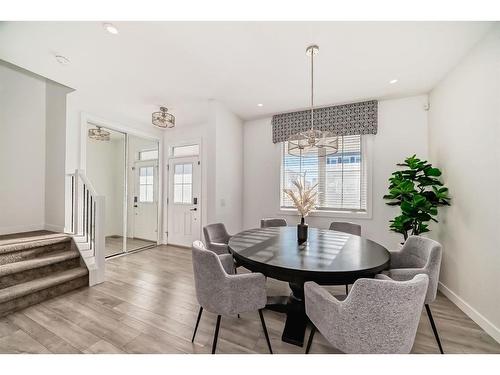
[(198, 162), (167, 200)]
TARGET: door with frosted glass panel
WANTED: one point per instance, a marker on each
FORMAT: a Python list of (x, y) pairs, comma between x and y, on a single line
[(184, 216)]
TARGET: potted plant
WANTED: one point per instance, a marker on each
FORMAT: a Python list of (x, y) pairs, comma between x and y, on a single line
[(305, 200), (417, 190)]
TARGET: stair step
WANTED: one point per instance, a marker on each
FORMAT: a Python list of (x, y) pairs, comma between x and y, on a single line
[(27, 270), (8, 269), (20, 251), (30, 287), (8, 246)]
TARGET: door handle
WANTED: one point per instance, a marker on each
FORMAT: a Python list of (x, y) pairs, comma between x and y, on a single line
[(193, 209)]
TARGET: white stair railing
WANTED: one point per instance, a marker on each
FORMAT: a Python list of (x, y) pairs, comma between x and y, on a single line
[(87, 224)]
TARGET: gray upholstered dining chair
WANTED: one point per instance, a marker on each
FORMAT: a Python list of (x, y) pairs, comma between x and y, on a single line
[(419, 255), (379, 315), (216, 238), (342, 226), (272, 222), (346, 227), (221, 292)]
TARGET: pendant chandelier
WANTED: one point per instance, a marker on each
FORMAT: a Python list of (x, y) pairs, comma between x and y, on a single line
[(99, 134), (313, 142), (163, 119)]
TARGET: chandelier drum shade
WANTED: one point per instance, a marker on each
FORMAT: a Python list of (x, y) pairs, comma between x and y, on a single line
[(163, 119), (99, 134)]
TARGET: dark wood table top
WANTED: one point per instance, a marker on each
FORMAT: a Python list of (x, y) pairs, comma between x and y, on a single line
[(328, 257)]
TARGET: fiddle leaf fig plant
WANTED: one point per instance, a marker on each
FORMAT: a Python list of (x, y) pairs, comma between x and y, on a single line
[(418, 191)]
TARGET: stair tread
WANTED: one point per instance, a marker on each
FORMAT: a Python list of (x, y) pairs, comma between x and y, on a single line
[(46, 260), (32, 242), (20, 290)]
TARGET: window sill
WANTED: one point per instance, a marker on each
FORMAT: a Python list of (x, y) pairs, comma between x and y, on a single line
[(330, 214)]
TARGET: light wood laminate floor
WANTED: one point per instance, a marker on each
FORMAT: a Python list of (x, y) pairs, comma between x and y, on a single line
[(148, 305)]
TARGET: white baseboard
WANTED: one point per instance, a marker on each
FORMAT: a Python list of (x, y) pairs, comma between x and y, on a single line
[(471, 312), (21, 228), (54, 228)]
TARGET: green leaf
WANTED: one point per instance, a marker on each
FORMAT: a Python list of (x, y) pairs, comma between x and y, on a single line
[(432, 172), (417, 189)]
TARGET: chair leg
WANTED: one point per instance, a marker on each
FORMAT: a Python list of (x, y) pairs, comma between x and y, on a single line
[(216, 334), (346, 289), (197, 322), (265, 331), (309, 342), (434, 329)]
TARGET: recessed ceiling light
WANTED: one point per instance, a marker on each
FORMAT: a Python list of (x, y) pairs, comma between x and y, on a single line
[(110, 28), (393, 81), (260, 105), (62, 60)]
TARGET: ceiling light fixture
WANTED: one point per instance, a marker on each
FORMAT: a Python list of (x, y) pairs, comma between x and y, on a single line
[(260, 105), (62, 60), (313, 142), (393, 81), (99, 134), (163, 119), (110, 28)]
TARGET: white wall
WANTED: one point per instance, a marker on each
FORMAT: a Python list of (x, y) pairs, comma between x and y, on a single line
[(464, 141), (55, 139), (402, 132), (228, 169), (22, 150)]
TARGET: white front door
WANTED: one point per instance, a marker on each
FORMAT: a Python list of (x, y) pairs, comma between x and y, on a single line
[(146, 200), (184, 216)]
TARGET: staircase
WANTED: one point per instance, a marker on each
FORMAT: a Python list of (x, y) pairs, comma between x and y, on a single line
[(34, 268)]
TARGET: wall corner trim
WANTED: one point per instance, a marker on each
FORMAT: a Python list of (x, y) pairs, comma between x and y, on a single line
[(471, 312)]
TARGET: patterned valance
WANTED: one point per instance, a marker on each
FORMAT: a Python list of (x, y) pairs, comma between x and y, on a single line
[(345, 119)]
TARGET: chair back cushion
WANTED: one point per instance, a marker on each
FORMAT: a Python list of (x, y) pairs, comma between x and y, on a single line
[(216, 233), (378, 316), (346, 227), (272, 222), (422, 252), (209, 277)]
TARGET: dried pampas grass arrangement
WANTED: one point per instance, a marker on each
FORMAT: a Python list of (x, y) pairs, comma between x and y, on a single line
[(304, 199)]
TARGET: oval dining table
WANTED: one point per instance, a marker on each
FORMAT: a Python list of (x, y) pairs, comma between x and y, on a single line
[(327, 258)]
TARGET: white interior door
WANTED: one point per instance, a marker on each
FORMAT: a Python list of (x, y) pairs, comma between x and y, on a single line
[(184, 216), (146, 200)]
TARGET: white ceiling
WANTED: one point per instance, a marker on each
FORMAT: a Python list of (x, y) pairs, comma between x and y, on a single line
[(184, 64)]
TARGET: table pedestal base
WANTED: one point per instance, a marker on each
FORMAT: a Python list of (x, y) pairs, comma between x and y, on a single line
[(296, 318)]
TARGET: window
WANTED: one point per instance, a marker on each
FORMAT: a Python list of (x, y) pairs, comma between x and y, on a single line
[(146, 184), (188, 150), (148, 155), (341, 178), (183, 183)]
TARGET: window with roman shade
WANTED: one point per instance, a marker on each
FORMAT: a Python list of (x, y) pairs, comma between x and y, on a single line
[(342, 178)]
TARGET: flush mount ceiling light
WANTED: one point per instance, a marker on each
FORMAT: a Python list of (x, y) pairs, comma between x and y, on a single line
[(110, 28), (62, 60), (393, 81), (260, 105), (313, 142), (163, 119), (99, 134)]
